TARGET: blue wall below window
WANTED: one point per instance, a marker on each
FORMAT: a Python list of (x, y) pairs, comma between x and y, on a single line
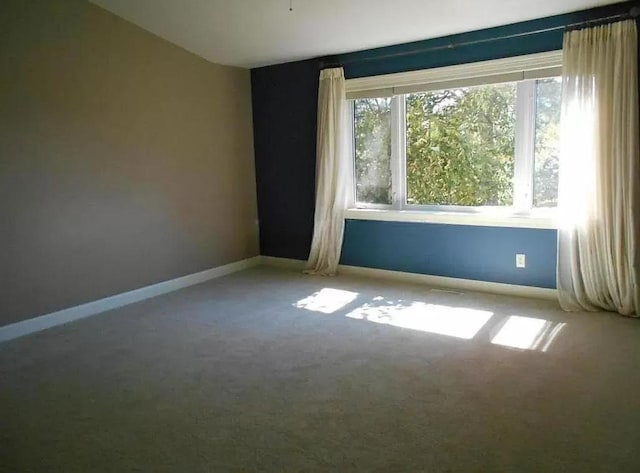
[(456, 251), (284, 119)]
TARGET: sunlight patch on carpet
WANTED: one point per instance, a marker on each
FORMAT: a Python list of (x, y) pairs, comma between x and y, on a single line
[(326, 300), (460, 322), (527, 333)]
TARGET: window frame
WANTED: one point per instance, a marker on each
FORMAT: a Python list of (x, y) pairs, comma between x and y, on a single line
[(524, 70)]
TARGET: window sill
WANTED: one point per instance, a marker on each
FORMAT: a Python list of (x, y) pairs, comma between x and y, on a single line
[(484, 219)]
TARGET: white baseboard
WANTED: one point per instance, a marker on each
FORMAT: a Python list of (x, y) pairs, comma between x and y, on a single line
[(453, 283), (43, 322), (286, 263), (434, 281)]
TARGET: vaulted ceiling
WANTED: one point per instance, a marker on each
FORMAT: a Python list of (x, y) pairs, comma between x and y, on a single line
[(251, 33)]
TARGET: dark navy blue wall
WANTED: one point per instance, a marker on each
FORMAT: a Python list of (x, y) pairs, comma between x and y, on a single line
[(284, 134), (457, 251), (284, 119)]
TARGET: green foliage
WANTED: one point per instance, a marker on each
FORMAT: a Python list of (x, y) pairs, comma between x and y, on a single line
[(372, 132), (460, 146), (545, 183)]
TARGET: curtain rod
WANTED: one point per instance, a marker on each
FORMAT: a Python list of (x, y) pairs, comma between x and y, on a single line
[(633, 13)]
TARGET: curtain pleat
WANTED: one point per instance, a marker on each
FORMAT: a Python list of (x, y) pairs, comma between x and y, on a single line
[(333, 174), (598, 199)]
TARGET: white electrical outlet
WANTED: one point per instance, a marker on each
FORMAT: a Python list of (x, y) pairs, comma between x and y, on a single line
[(520, 261)]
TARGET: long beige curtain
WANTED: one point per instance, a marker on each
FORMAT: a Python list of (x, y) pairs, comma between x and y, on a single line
[(599, 171), (333, 174)]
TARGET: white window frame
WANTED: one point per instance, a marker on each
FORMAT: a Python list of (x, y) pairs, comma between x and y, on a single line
[(522, 69)]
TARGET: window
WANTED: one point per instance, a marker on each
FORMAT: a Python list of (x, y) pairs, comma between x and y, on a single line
[(460, 146), (462, 143), (372, 141), (545, 183)]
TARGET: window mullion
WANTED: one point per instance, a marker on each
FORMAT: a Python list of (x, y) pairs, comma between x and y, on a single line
[(402, 153), (397, 151), (350, 139), (524, 146)]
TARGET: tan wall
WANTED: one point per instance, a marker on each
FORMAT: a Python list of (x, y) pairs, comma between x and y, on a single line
[(124, 160)]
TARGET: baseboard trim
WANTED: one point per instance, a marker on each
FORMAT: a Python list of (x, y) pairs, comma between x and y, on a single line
[(434, 281), (285, 263), (53, 319), (453, 283)]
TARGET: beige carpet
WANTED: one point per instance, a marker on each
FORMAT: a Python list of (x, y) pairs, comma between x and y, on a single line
[(272, 371)]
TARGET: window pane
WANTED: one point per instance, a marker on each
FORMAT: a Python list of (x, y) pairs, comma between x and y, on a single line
[(460, 146), (547, 144), (372, 133)]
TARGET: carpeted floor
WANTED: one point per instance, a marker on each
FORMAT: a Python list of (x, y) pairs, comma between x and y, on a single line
[(255, 373)]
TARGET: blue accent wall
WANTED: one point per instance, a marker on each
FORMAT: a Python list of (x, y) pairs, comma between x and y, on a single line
[(284, 119), (284, 134), (457, 251), (529, 37)]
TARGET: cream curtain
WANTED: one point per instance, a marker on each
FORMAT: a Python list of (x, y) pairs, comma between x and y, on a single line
[(333, 174), (599, 171)]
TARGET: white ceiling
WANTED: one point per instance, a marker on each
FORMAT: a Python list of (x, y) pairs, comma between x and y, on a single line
[(251, 33)]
